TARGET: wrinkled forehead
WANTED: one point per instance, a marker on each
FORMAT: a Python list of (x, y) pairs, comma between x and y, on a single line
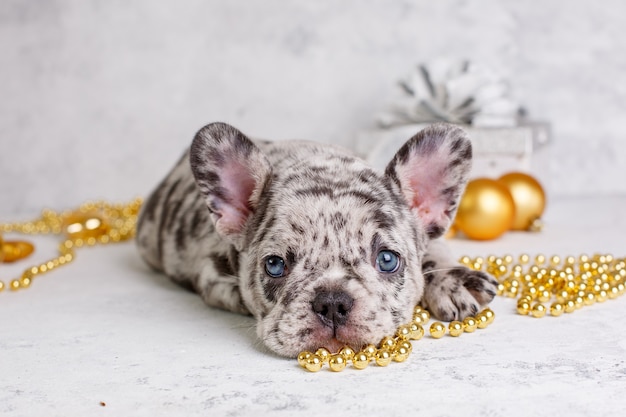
[(349, 221)]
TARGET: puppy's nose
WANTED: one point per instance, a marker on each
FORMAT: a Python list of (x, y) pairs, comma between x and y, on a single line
[(333, 307)]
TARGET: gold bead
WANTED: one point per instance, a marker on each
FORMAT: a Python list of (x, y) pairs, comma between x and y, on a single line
[(1, 286), (388, 342), (570, 306), (347, 352), (360, 360), (25, 282), (418, 309), (370, 350), (405, 344), (383, 357), (538, 310), (455, 328), (556, 309), (337, 362), (422, 317), (589, 298), (323, 353), (437, 330), (417, 331), (14, 285), (469, 324), (401, 354), (491, 316), (403, 332), (481, 321), (313, 363), (580, 302), (544, 296), (303, 357)]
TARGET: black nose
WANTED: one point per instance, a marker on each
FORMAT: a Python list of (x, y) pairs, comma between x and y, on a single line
[(333, 308)]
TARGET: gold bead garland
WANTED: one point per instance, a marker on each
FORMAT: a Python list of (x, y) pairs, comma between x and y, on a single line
[(92, 223), (552, 285), (549, 285), (395, 348)]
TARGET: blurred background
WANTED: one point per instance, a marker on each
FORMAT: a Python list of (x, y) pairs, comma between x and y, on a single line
[(98, 99)]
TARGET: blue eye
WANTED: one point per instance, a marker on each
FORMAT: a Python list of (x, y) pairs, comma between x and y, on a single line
[(387, 261), (275, 266)]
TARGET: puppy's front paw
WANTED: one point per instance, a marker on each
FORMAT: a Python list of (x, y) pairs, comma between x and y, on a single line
[(459, 292)]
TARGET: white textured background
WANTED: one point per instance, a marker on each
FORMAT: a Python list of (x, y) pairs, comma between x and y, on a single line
[(99, 98)]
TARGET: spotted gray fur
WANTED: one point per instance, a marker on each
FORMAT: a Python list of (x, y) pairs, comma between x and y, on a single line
[(230, 203)]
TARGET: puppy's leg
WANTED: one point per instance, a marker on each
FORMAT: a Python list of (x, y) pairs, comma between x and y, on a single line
[(221, 291), (453, 291)]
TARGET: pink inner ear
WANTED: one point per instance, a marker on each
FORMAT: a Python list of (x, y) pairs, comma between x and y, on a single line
[(239, 184), (422, 180)]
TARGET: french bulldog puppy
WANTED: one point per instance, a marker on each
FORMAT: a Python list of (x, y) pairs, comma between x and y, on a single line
[(319, 247)]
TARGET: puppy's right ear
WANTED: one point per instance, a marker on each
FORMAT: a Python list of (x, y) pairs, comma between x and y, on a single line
[(230, 172)]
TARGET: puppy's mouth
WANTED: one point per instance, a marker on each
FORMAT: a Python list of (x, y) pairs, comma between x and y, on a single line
[(335, 339)]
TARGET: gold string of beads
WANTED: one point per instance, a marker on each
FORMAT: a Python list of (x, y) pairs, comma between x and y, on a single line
[(553, 284), (90, 224), (395, 348)]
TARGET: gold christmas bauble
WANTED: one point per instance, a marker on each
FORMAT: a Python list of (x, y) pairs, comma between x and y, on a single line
[(486, 209), (529, 198)]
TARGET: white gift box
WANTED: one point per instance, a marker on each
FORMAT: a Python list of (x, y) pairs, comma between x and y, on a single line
[(497, 150)]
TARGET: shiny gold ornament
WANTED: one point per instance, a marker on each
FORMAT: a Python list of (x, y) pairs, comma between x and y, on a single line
[(486, 210), (383, 357), (528, 196), (81, 225), (11, 251), (360, 360), (337, 362), (437, 330), (455, 328)]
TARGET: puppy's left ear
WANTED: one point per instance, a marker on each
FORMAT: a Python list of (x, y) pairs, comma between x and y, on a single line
[(432, 169)]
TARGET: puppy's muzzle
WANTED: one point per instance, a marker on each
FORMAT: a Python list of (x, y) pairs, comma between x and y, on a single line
[(333, 308)]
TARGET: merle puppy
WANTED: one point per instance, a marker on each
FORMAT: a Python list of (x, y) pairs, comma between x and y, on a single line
[(319, 247)]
